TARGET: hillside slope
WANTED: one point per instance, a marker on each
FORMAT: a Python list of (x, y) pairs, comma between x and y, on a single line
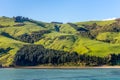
[(94, 38)]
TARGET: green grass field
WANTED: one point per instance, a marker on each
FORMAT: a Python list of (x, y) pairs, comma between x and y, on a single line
[(7, 58), (100, 23), (67, 39)]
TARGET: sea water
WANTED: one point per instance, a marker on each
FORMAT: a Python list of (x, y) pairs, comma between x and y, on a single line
[(59, 74)]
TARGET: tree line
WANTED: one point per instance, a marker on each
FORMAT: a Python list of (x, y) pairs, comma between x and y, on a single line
[(2, 50), (21, 19), (31, 55), (33, 37)]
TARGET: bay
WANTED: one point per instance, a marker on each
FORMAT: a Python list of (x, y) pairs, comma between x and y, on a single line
[(59, 74)]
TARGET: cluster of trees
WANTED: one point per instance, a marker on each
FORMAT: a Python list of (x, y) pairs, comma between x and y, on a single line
[(6, 35), (21, 19), (33, 37), (115, 59), (37, 54), (57, 22), (31, 55), (57, 28), (2, 50)]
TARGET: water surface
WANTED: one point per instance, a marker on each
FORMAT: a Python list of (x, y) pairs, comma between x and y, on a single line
[(59, 74)]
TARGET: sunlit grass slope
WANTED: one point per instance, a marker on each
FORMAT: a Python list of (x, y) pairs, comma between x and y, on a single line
[(96, 48), (6, 21), (100, 23), (67, 39), (16, 31), (58, 41), (7, 58)]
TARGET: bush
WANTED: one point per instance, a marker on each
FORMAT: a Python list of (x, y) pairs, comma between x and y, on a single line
[(33, 37)]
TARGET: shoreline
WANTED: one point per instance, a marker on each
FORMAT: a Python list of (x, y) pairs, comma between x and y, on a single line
[(64, 67)]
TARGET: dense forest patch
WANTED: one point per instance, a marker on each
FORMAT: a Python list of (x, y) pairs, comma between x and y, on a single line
[(33, 37), (31, 55)]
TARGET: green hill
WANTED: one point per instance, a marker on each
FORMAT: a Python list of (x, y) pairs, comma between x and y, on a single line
[(94, 38)]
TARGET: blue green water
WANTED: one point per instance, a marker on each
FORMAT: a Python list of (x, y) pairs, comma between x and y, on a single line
[(59, 74)]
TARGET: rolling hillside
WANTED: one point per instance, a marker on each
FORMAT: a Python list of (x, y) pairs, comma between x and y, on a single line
[(94, 38)]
